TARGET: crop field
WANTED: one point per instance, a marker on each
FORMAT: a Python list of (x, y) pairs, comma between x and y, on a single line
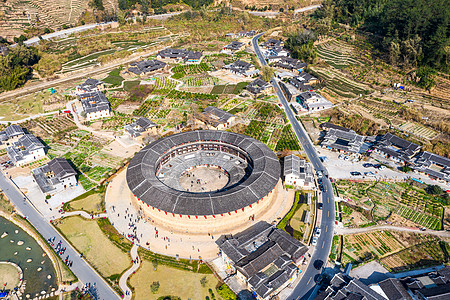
[(200, 80), (418, 130), (401, 198), (163, 85), (339, 85), (175, 94), (183, 70), (288, 140), (277, 137), (114, 78), (337, 54), (398, 251), (419, 256), (146, 106), (229, 88)]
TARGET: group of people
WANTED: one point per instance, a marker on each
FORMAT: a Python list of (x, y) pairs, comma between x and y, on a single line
[(60, 250)]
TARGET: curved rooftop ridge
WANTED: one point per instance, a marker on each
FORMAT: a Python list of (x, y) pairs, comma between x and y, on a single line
[(145, 185)]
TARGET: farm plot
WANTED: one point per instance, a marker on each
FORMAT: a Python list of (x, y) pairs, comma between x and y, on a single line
[(163, 85), (376, 106), (182, 70), (200, 80), (418, 256), (337, 54), (339, 85), (146, 106), (419, 218), (174, 94), (288, 140), (359, 248), (418, 130)]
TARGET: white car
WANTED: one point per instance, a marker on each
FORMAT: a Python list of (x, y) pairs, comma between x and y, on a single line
[(314, 241), (318, 231)]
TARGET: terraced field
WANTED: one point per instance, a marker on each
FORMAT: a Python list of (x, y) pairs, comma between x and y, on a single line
[(418, 130), (337, 54), (340, 86)]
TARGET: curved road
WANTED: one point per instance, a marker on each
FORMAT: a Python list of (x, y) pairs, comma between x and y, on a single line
[(99, 289), (322, 250)]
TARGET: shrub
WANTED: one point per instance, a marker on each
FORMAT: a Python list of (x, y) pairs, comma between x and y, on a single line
[(154, 287)]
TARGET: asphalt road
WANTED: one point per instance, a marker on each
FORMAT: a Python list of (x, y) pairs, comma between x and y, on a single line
[(322, 250), (85, 273)]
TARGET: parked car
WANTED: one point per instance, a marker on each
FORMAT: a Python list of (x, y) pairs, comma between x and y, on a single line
[(355, 173), (367, 165), (369, 174), (318, 231), (314, 241), (341, 156), (320, 206)]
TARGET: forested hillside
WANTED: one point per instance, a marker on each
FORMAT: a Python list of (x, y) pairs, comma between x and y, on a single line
[(414, 32)]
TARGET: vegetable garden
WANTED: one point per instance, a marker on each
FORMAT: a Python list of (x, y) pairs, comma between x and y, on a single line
[(182, 70)]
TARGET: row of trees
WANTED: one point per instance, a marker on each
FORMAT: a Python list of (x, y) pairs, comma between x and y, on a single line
[(414, 32)]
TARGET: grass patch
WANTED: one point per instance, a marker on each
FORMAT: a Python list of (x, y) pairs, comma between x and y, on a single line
[(88, 238), (181, 283), (114, 78)]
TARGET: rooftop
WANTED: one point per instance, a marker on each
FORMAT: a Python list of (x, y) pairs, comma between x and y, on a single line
[(343, 140), (94, 102), (294, 165), (259, 248), (23, 147), (139, 126), (257, 86), (145, 185), (146, 66), (397, 147), (214, 116), (51, 174)]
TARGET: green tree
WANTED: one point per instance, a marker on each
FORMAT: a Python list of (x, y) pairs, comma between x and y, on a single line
[(433, 189), (267, 73)]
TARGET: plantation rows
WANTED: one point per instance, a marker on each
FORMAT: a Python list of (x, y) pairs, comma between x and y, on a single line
[(288, 140), (419, 218), (115, 102), (174, 94), (182, 70), (158, 113), (418, 256), (200, 81), (342, 86), (418, 130), (163, 85)]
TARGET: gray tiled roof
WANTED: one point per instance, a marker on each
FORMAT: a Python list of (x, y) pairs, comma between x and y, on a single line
[(397, 147), (257, 86), (234, 45), (94, 102), (146, 66), (61, 168), (23, 147), (343, 140), (179, 53), (140, 125), (259, 246), (394, 290), (290, 63), (143, 182), (425, 161)]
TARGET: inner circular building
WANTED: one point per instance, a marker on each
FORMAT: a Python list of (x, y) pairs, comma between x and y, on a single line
[(203, 181)]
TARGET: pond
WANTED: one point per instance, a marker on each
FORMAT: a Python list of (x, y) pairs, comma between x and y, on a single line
[(20, 248)]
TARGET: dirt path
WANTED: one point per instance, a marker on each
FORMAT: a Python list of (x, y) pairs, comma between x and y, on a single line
[(388, 227)]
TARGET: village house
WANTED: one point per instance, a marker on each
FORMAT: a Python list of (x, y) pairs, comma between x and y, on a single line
[(233, 47), (90, 85), (242, 68), (259, 86), (290, 64), (304, 81), (250, 254), (10, 135), (396, 149), (94, 105), (298, 172), (141, 129), (55, 176), (215, 118), (435, 166), (312, 101), (343, 140), (25, 150), (146, 66), (179, 55)]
